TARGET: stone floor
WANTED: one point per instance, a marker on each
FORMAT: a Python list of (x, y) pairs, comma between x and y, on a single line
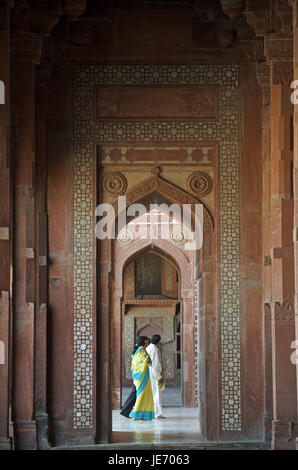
[(179, 431), (180, 426)]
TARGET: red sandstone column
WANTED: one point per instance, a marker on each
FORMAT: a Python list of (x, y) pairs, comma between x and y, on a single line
[(282, 307), (252, 383), (295, 32), (43, 72), (188, 348), (263, 76), (106, 348), (5, 229), (26, 49), (208, 363), (60, 223)]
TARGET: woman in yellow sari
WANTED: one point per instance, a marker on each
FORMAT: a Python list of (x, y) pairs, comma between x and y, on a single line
[(144, 406)]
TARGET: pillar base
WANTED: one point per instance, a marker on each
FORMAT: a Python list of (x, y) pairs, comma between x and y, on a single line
[(284, 435), (58, 434), (25, 433), (5, 443), (268, 427), (42, 431)]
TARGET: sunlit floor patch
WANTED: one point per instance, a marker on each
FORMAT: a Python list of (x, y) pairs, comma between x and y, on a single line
[(180, 426)]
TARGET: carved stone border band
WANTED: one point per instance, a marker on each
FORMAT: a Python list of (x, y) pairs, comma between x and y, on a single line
[(88, 131)]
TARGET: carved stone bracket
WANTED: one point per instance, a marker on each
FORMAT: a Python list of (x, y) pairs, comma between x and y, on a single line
[(263, 77), (259, 20), (282, 72), (283, 311), (279, 47), (284, 16), (263, 74)]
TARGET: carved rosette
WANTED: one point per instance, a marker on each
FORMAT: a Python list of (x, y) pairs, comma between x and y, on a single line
[(179, 237), (200, 183), (115, 183), (125, 237)]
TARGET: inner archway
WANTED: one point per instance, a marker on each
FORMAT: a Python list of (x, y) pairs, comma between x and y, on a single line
[(182, 303), (152, 305)]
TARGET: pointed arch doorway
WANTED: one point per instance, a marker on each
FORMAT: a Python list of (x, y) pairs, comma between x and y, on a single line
[(152, 304), (188, 265), (144, 316)]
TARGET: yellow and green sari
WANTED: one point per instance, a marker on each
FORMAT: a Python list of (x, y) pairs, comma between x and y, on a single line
[(144, 406)]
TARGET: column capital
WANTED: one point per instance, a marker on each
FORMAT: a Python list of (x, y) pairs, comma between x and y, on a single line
[(279, 52), (282, 73), (279, 47), (26, 47), (258, 19)]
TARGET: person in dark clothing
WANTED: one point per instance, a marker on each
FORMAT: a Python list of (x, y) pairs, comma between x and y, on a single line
[(131, 399)]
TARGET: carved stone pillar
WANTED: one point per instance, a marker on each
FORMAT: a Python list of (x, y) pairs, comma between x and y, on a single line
[(5, 229), (43, 73), (279, 53), (26, 49), (295, 32), (263, 76)]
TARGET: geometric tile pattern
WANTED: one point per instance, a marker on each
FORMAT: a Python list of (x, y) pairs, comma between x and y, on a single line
[(83, 278), (196, 335), (225, 129)]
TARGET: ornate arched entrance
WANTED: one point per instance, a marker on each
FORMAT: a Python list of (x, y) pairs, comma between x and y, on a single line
[(191, 297)]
